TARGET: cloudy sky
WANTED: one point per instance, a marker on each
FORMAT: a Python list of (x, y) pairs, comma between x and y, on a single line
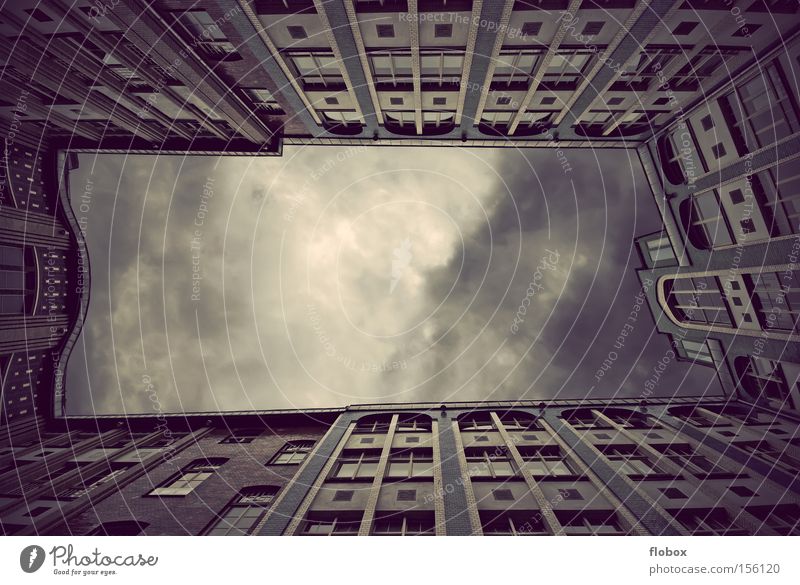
[(334, 276)]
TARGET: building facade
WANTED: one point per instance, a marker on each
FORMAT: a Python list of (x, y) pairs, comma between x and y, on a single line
[(242, 76), (722, 277), (658, 467)]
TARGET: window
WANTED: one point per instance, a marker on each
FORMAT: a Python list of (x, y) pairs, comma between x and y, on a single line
[(776, 299), (413, 425), (548, 101), (570, 494), (706, 522), (545, 461), (480, 421), (297, 32), (519, 421), (742, 491), (718, 150), (244, 512), (759, 111), (417, 464), (317, 68), (589, 522), (531, 28), (764, 378), (293, 453), (503, 495), (698, 351), (412, 439), (662, 101), (615, 101), (503, 100), (372, 424), (660, 249), (406, 495), (440, 101), (326, 525), (396, 101), (343, 496), (191, 477), (367, 440), (779, 457), (629, 460), (707, 123), (385, 31), (746, 30), (332, 101), (521, 523), (357, 465), (685, 457), (593, 28), (699, 300), (673, 493), (404, 525), (443, 31), (783, 519), (684, 29), (119, 528), (488, 463), (241, 437), (39, 15)]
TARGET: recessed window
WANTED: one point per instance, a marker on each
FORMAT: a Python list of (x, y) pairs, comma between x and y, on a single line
[(38, 15), (332, 101), (297, 32), (748, 318), (547, 101), (748, 227), (726, 433), (503, 100), (368, 440), (406, 495), (652, 435), (396, 101), (192, 476), (481, 439), (673, 493), (735, 285), (503, 495), (742, 491), (737, 301), (529, 438), (570, 494), (736, 196), (593, 28), (343, 496), (36, 511), (385, 31), (412, 439), (292, 453), (684, 28), (440, 101), (531, 28), (241, 516), (443, 31), (615, 101), (718, 150), (707, 123), (602, 436), (662, 101)]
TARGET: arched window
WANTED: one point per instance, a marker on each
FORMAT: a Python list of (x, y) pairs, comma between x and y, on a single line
[(243, 513)]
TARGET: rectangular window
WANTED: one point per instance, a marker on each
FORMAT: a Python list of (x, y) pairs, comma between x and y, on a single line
[(512, 523), (488, 463), (320, 524), (630, 461), (685, 457), (545, 461), (714, 522), (404, 525), (357, 465), (594, 522), (417, 464), (293, 453), (188, 480), (660, 249), (244, 512)]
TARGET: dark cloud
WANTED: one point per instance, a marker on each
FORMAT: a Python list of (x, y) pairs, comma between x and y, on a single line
[(334, 276)]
